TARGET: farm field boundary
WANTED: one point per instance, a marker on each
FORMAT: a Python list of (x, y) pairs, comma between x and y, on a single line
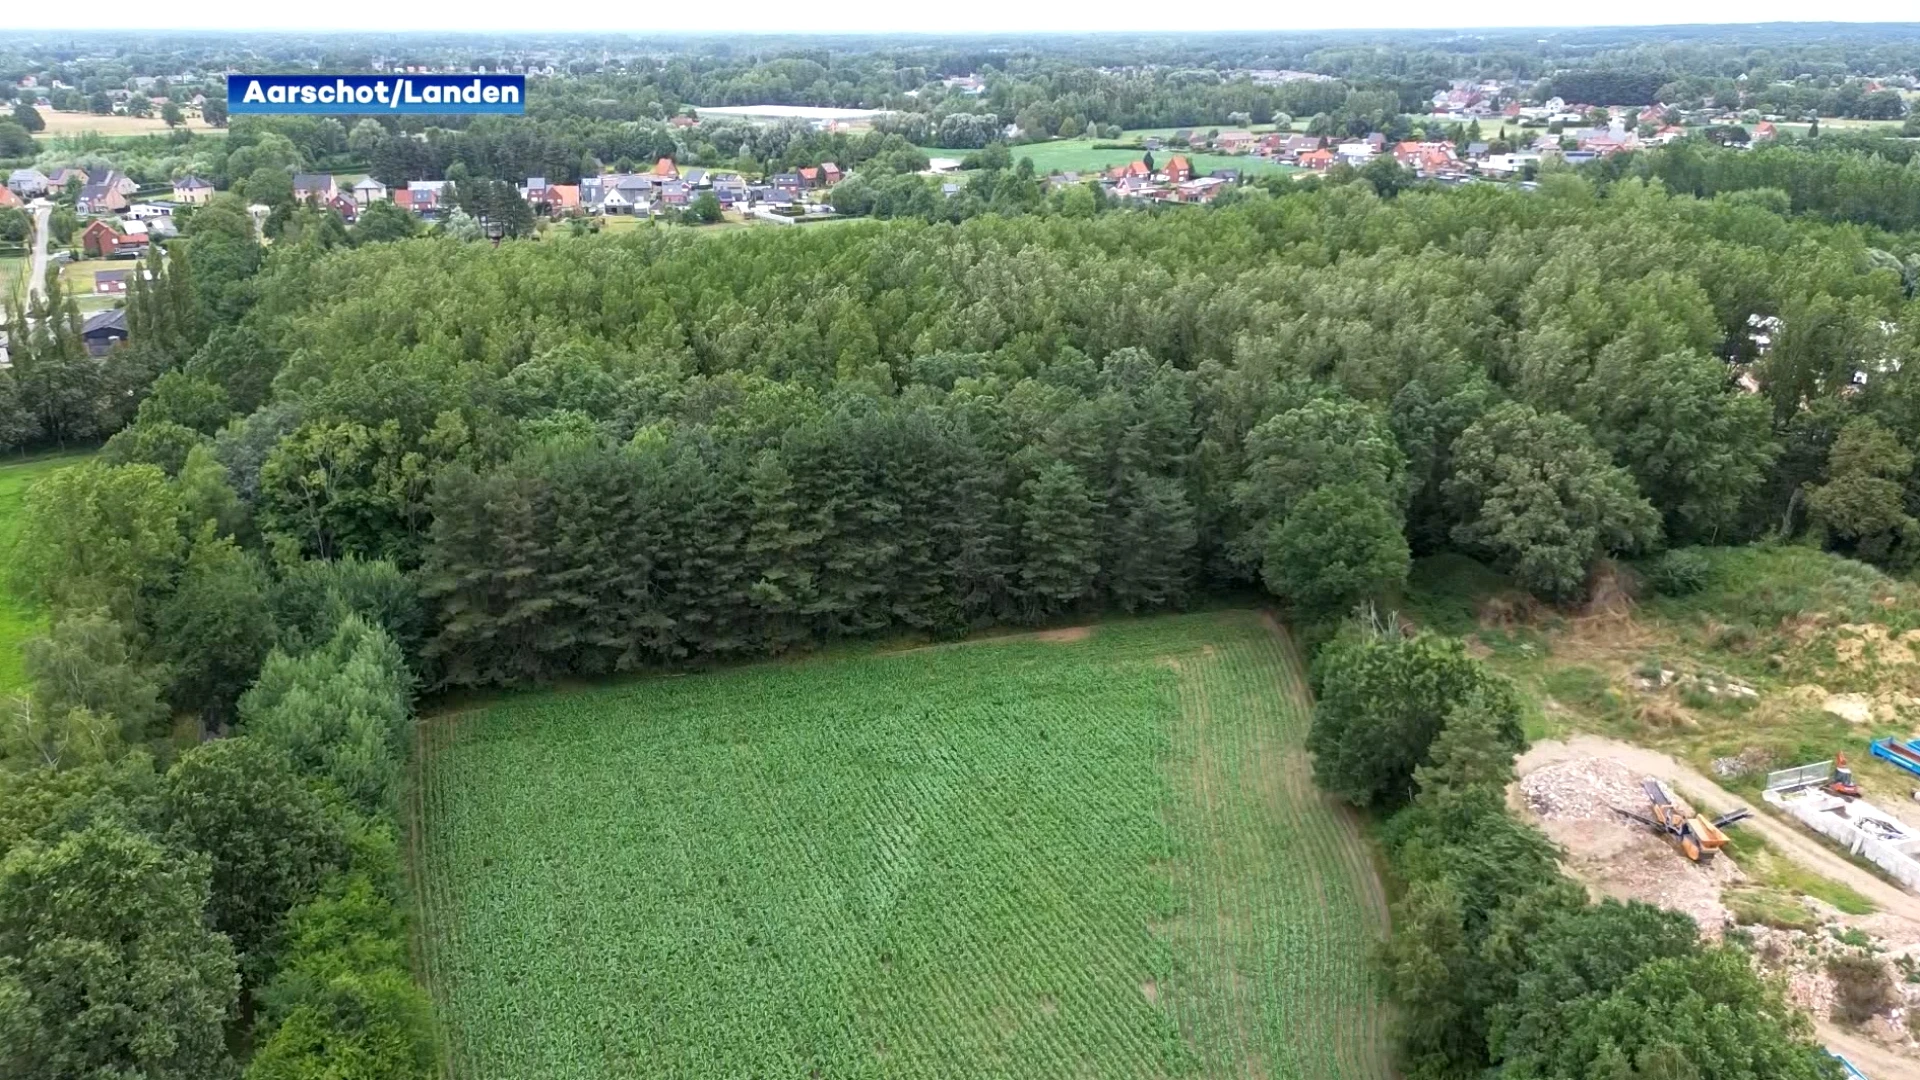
[(1079, 854)]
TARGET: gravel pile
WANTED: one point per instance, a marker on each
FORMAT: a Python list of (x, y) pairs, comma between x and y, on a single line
[(1584, 789)]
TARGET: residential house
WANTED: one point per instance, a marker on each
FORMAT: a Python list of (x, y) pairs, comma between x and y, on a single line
[(1204, 189), (675, 193), (148, 211), (1355, 153), (829, 173), (809, 177), (1476, 151), (110, 282), (683, 122), (26, 183), (731, 191), (1234, 142), (1317, 160), (1764, 130), (694, 177), (424, 197), (9, 200), (786, 181), (666, 169), (58, 179), (342, 203), (367, 191), (1179, 171), (1292, 146), (554, 198), (103, 330), (114, 179), (191, 191), (314, 187), (100, 199)]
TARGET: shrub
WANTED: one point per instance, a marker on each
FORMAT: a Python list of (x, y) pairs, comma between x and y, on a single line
[(1680, 572), (1861, 986)]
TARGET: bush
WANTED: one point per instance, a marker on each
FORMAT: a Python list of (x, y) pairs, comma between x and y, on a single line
[(1862, 987), (1680, 572)]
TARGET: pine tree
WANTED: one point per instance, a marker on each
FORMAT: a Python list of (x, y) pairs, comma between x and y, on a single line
[(1059, 550)]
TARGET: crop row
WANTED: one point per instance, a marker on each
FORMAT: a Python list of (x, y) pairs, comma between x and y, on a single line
[(1019, 858)]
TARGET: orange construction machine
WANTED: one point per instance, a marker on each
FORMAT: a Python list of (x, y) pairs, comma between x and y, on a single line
[(1694, 836)]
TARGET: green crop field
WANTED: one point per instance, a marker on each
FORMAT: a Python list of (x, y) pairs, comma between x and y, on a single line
[(19, 620), (1058, 855), (1080, 155)]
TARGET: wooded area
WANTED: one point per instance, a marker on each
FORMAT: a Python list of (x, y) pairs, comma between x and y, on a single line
[(343, 468)]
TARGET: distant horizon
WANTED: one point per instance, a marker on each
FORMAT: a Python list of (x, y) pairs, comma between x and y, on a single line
[(989, 18)]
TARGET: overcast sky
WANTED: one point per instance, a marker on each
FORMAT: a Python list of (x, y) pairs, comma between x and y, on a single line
[(937, 16)]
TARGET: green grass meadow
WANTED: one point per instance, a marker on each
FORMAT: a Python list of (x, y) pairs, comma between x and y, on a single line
[(1055, 855), (1080, 155), (19, 620)]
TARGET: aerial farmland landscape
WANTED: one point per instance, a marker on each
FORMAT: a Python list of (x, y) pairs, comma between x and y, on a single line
[(1095, 851), (970, 549)]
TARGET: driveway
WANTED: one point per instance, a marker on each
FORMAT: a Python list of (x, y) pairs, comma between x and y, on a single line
[(36, 279)]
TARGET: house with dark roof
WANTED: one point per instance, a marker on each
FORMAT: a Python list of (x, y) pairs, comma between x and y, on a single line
[(367, 191), (113, 178), (191, 190), (317, 187), (103, 330), (26, 183), (100, 199), (110, 282)]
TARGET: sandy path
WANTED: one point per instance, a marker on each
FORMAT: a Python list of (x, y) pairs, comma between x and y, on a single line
[(1876, 1061), (1796, 843)]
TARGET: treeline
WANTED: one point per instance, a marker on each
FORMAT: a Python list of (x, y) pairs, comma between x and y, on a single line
[(1870, 181), (1061, 411), (1497, 963)]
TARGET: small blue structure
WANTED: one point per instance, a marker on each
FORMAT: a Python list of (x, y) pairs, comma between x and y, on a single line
[(1904, 754), (1852, 1073)]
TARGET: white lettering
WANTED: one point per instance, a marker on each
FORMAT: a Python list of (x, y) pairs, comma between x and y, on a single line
[(412, 98), (510, 95), (471, 95), (253, 92), (492, 94)]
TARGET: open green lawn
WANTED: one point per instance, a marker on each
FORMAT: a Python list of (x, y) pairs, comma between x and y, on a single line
[(1079, 155), (19, 620), (1053, 855)]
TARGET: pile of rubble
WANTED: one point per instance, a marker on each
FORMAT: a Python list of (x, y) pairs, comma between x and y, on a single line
[(1583, 789), (1578, 803)]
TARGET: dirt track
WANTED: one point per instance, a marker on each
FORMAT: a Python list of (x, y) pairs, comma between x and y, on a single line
[(1792, 841), (1878, 1062)]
